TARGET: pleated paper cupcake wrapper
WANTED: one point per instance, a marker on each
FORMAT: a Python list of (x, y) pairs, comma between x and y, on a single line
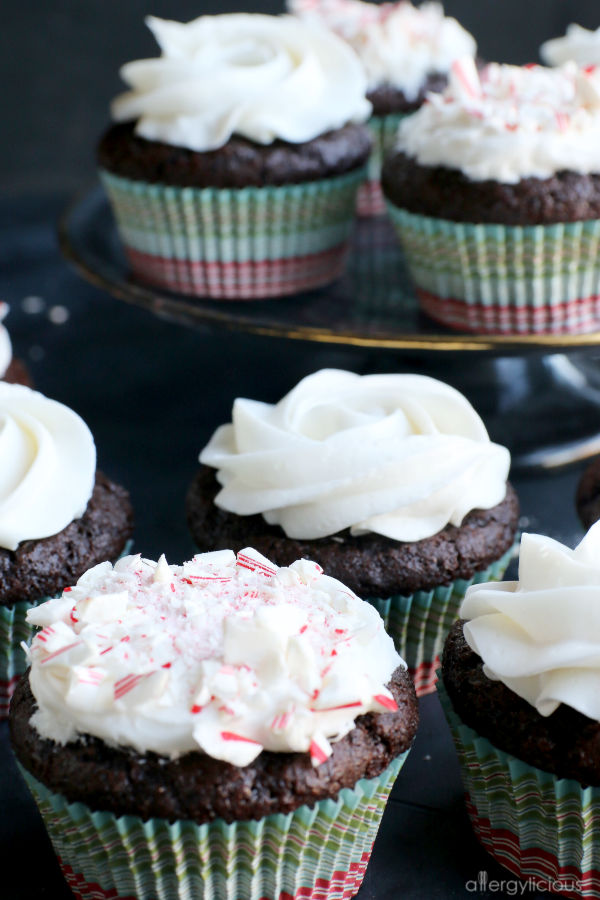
[(13, 630), (238, 244), (500, 279), (538, 826), (313, 853), (383, 129), (419, 622)]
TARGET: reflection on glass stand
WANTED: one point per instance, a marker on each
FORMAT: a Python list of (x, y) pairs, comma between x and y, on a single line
[(539, 394)]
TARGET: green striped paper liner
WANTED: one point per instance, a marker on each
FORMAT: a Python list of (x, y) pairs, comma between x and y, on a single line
[(419, 622), (536, 825), (503, 278), (14, 629), (383, 129), (317, 853), (236, 243)]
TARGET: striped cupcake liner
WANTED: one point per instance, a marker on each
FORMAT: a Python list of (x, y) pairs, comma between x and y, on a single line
[(237, 244), (313, 853), (419, 622), (538, 826), (383, 129), (14, 630), (501, 279)]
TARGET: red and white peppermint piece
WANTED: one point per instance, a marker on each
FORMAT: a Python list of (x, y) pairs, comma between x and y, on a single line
[(320, 749)]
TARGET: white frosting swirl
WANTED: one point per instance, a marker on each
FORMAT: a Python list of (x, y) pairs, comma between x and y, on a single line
[(579, 45), (5, 344), (540, 635), (400, 455), (48, 465), (262, 77), (397, 43), (508, 122), (229, 655)]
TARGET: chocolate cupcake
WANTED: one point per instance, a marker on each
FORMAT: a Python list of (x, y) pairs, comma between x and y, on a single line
[(520, 690), (389, 482), (406, 52), (234, 170), (494, 190), (224, 723), (58, 516)]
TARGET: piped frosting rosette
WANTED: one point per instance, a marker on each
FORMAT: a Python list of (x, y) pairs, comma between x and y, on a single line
[(266, 79), (262, 77), (505, 124), (401, 456), (49, 465), (398, 455), (48, 471), (537, 635), (226, 654)]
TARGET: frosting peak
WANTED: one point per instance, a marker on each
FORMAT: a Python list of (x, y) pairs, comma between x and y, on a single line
[(539, 635), (508, 122), (225, 654), (5, 344), (48, 465), (262, 77), (400, 455), (397, 43), (579, 45)]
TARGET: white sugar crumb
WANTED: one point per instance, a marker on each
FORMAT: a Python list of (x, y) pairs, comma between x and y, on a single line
[(33, 305), (58, 315)]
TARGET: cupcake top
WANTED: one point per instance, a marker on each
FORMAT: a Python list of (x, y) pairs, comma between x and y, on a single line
[(261, 77), (5, 344), (48, 465), (507, 123), (581, 45), (398, 44), (225, 654), (398, 455), (539, 635)]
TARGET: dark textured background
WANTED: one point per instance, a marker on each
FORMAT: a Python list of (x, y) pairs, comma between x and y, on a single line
[(153, 392), (59, 61)]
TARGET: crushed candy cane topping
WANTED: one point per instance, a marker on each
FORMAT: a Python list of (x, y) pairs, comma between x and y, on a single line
[(397, 43), (224, 654), (509, 122)]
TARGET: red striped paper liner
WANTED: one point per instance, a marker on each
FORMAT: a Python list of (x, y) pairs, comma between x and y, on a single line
[(251, 280), (570, 317), (505, 847), (342, 884), (370, 200), (7, 689), (317, 852), (425, 676)]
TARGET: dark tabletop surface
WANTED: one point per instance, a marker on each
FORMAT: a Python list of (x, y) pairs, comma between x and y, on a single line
[(153, 391)]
